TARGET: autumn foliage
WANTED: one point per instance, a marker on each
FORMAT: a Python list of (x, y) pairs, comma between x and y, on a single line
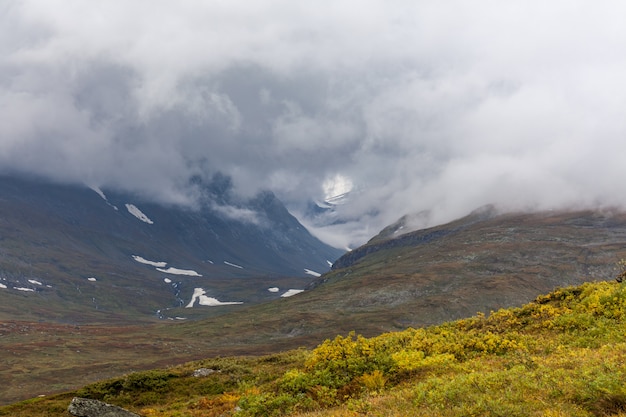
[(562, 355)]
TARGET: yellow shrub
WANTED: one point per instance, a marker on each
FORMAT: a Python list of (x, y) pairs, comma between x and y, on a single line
[(373, 381), (408, 360)]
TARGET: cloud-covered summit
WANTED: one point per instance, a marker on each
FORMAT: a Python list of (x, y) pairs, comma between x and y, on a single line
[(420, 105)]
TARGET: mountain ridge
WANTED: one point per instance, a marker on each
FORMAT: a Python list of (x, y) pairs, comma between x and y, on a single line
[(77, 247)]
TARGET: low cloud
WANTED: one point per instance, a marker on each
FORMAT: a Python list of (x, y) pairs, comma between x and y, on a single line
[(440, 106), (237, 213)]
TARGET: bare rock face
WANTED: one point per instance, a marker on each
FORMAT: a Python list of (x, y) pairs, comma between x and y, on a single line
[(85, 407)]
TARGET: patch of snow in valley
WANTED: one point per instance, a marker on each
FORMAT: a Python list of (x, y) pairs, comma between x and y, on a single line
[(291, 292), (147, 262), (92, 279), (32, 281), (309, 272), (330, 264), (2, 286), (273, 289), (233, 265), (132, 209), (199, 295), (176, 271), (24, 289), (167, 280)]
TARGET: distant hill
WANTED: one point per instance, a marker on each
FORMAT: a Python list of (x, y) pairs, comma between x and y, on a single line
[(74, 254), (484, 261)]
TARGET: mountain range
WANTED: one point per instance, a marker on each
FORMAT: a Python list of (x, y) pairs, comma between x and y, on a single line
[(72, 253)]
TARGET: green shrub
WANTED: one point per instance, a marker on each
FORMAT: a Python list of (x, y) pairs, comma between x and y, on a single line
[(266, 405)]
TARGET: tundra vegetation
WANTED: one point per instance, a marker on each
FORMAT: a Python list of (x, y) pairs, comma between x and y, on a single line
[(564, 354)]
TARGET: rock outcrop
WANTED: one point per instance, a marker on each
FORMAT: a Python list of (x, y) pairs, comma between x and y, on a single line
[(85, 407)]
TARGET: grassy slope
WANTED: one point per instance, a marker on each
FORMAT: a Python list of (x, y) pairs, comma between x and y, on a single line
[(562, 355)]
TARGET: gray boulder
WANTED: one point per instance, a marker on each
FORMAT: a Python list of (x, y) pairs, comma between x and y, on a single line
[(203, 372), (85, 407)]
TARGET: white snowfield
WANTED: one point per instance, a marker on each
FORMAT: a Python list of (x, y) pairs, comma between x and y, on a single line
[(273, 289), (2, 286), (233, 265), (310, 272), (132, 209), (24, 289), (291, 292), (92, 279), (147, 262), (176, 271), (167, 280), (203, 300), (32, 281)]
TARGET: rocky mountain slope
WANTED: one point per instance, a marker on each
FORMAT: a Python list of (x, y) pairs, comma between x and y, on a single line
[(481, 262), (76, 254)]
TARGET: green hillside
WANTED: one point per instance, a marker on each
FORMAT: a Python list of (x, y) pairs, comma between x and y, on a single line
[(564, 354)]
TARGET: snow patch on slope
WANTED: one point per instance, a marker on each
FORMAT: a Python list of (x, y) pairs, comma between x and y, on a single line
[(291, 292), (273, 289), (32, 281), (310, 272), (203, 300), (176, 271), (2, 286), (132, 209), (147, 262), (233, 265), (101, 194), (160, 266)]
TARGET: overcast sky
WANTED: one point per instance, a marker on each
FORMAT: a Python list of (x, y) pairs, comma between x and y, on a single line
[(417, 105)]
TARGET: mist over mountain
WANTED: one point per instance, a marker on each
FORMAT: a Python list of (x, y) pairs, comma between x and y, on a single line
[(418, 105)]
